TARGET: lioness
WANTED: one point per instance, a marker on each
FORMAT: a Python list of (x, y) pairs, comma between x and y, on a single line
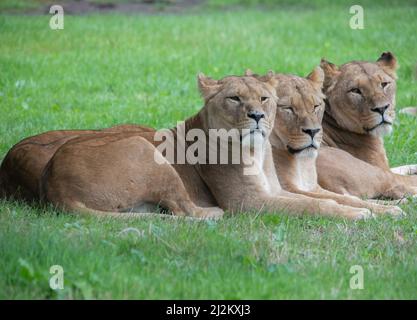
[(21, 169), (116, 174), (297, 135), (360, 110)]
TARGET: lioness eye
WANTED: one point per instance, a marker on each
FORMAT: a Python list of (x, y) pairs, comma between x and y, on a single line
[(384, 84), (356, 90), (234, 98), (316, 107), (263, 99)]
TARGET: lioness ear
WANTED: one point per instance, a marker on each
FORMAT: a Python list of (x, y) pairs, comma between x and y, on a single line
[(270, 75), (388, 62), (330, 72), (272, 80), (317, 78), (208, 86), (269, 78)]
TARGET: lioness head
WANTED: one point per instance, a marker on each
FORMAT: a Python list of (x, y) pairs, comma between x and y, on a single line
[(300, 109), (242, 103), (361, 95)]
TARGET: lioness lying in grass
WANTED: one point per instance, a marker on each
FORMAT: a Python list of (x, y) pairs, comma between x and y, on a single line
[(360, 110), (116, 174)]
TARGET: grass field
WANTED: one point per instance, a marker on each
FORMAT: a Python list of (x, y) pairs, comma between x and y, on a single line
[(105, 70)]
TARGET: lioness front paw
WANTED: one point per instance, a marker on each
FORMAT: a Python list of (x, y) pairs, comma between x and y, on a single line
[(360, 214), (395, 211)]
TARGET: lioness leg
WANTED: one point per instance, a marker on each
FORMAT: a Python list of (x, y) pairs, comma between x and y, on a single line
[(400, 191), (388, 202), (341, 173), (353, 201), (301, 205), (109, 174), (209, 213)]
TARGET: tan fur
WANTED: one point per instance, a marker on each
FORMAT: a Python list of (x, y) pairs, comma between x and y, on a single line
[(103, 172), (354, 161), (300, 108), (21, 169)]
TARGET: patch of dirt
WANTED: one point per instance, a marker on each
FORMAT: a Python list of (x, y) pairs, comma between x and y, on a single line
[(80, 7)]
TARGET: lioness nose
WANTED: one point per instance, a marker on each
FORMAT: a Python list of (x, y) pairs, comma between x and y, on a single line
[(256, 115), (381, 110), (311, 132)]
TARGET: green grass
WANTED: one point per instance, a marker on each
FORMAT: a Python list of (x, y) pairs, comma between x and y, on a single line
[(104, 70), (238, 258)]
